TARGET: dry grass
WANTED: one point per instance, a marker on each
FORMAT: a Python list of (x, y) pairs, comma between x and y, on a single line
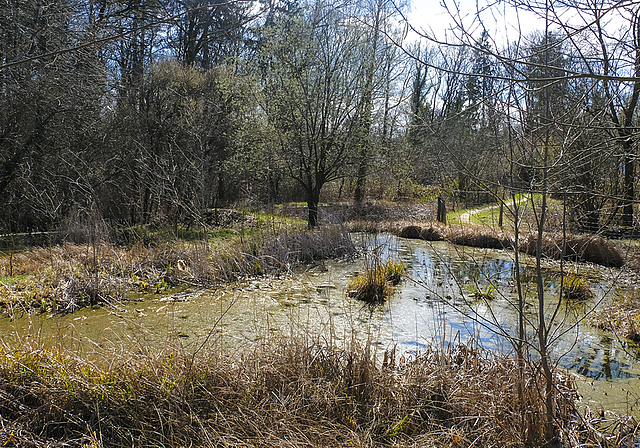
[(477, 236), (622, 317), (282, 394), (417, 222), (586, 248), (68, 276)]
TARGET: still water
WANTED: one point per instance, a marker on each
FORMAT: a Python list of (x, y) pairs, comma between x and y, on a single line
[(434, 305)]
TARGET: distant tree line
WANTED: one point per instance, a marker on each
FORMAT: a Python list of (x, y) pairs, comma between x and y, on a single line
[(153, 112)]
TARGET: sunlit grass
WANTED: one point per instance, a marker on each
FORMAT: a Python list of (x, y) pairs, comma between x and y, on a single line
[(375, 283), (576, 288), (280, 394), (489, 214), (14, 279)]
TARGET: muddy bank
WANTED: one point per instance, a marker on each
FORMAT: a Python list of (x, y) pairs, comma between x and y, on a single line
[(581, 248)]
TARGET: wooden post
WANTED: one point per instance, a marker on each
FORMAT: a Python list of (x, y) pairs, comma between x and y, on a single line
[(442, 211)]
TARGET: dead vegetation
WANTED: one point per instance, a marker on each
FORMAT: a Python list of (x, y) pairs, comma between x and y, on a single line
[(478, 237), (586, 248), (68, 276), (582, 248), (621, 317), (419, 223), (281, 394)]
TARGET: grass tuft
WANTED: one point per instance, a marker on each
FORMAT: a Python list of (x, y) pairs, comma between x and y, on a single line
[(475, 236), (576, 288), (374, 285), (586, 248), (486, 293)]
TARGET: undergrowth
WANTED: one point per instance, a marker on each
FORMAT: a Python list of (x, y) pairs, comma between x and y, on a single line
[(69, 276), (289, 393)]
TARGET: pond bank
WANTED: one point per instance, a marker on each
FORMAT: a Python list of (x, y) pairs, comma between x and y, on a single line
[(174, 339), (286, 393), (65, 277)]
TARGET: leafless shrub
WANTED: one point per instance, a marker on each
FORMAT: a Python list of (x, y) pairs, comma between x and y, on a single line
[(363, 226), (84, 227)]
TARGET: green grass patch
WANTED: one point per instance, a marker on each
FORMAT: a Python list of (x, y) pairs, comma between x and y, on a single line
[(486, 293), (454, 217), (14, 279), (489, 214), (299, 204)]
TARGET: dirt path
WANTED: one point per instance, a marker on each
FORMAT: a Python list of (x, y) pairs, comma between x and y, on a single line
[(465, 218)]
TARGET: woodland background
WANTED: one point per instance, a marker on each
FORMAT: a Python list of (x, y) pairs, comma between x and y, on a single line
[(155, 111)]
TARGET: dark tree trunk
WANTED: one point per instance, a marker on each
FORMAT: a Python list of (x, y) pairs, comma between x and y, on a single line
[(313, 213), (146, 206), (313, 198), (629, 190)]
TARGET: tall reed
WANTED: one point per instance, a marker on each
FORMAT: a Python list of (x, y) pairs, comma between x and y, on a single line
[(281, 393)]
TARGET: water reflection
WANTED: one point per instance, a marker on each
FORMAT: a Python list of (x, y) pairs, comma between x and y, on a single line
[(433, 306)]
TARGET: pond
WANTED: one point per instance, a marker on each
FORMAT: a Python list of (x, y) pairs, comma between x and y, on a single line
[(434, 305)]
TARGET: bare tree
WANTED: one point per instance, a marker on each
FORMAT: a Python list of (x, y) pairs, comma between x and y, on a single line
[(313, 87)]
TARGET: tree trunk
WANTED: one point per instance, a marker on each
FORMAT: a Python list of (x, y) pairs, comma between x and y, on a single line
[(313, 213), (313, 198), (629, 190)]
